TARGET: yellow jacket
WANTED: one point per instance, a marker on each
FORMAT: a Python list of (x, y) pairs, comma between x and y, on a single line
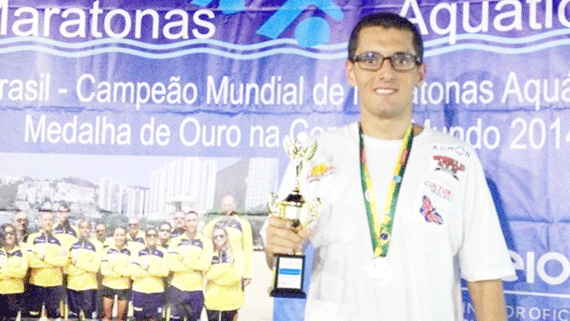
[(148, 267), (188, 260), (115, 268), (224, 283), (240, 235), (48, 271), (14, 266), (85, 262)]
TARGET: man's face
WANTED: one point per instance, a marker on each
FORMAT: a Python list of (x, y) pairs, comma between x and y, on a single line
[(134, 226), (228, 205), (84, 230), (164, 232), (385, 94), (191, 222), (21, 221), (46, 222), (101, 232), (179, 219), (62, 214)]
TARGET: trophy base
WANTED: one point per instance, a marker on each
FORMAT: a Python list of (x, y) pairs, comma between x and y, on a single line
[(289, 274)]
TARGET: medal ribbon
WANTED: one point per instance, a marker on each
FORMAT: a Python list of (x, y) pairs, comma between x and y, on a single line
[(380, 232)]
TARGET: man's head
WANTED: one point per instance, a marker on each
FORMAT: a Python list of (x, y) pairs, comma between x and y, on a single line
[(228, 205), (84, 229), (21, 222), (63, 213), (46, 222), (385, 63), (164, 232), (101, 231), (386, 20), (179, 220), (134, 225), (192, 220)]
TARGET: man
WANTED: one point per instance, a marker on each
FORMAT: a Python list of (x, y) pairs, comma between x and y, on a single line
[(135, 237), (239, 230), (164, 234), (82, 282), (67, 233), (21, 222), (48, 257), (179, 223), (381, 254), (190, 258), (101, 233)]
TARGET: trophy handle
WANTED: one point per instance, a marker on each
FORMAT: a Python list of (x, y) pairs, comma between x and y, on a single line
[(315, 209), (272, 204)]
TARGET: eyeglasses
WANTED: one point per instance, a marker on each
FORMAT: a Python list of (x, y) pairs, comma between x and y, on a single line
[(400, 61), (10, 233), (219, 236), (100, 231), (22, 220), (163, 230), (133, 224), (152, 235)]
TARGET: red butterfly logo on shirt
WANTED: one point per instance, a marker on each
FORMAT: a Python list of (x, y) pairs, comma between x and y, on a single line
[(428, 211)]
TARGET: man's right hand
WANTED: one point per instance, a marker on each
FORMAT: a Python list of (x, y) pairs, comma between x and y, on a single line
[(282, 238)]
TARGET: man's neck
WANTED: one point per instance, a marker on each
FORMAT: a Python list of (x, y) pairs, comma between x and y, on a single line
[(191, 235), (386, 128)]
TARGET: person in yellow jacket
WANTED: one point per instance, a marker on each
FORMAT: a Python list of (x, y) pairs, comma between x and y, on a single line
[(115, 268), (190, 256), (148, 267), (14, 262), (48, 258), (67, 233), (224, 295), (85, 260), (135, 237), (239, 231)]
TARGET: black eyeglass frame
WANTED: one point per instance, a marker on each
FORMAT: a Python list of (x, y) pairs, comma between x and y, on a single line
[(358, 59)]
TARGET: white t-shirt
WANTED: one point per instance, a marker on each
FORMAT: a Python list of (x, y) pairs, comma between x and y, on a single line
[(429, 255)]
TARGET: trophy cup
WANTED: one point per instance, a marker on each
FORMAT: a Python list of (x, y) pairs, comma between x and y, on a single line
[(289, 269)]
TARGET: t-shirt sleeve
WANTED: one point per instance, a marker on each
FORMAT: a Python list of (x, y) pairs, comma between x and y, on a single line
[(483, 254)]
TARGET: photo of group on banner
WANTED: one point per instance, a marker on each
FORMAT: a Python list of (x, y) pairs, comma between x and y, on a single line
[(169, 271)]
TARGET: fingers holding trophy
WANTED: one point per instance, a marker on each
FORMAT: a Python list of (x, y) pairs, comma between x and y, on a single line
[(289, 268)]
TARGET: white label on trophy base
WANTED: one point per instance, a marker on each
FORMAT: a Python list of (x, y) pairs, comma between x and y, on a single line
[(380, 271), (290, 273)]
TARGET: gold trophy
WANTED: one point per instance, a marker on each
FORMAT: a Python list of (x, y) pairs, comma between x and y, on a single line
[(289, 269)]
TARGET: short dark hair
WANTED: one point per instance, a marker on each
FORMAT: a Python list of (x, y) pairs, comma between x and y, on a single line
[(385, 20)]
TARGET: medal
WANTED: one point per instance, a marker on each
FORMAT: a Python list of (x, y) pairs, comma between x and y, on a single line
[(380, 271)]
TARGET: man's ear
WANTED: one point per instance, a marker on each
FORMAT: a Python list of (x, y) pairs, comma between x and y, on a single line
[(349, 70)]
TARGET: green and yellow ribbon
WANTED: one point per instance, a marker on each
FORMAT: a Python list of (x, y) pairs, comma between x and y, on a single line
[(380, 232)]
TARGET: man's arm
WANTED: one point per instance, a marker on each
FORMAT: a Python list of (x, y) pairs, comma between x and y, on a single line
[(281, 239), (488, 300)]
